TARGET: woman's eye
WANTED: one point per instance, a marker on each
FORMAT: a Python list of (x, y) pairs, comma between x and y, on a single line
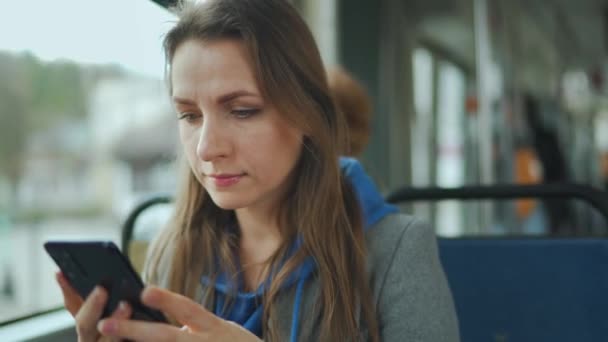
[(244, 113), (189, 117)]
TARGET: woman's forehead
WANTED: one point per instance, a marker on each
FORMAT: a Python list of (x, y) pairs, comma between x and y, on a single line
[(213, 68)]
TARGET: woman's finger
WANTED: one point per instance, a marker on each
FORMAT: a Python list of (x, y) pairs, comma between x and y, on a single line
[(71, 299), (139, 330), (183, 309), (90, 313), (122, 311)]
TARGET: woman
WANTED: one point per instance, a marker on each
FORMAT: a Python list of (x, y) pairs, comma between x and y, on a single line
[(268, 233)]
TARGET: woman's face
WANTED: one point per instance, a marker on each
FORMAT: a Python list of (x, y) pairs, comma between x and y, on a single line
[(238, 145)]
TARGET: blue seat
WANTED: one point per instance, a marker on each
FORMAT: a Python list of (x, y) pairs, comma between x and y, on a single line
[(529, 289)]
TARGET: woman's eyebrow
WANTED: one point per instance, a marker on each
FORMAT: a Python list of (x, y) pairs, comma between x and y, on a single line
[(183, 101), (233, 95), (221, 99)]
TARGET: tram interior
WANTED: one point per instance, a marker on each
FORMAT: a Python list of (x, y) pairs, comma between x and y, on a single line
[(490, 122)]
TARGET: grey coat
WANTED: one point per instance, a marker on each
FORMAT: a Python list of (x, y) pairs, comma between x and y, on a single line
[(412, 297)]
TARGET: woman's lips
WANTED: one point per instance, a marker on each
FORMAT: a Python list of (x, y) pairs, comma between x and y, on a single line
[(225, 180)]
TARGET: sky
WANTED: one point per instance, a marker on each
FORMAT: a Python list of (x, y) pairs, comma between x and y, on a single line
[(126, 32)]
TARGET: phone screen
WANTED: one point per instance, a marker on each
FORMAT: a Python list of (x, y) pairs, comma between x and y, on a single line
[(91, 263)]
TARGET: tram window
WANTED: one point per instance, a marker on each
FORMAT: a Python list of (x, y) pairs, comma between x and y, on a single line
[(422, 132), (423, 104), (450, 145), (438, 152), (77, 80)]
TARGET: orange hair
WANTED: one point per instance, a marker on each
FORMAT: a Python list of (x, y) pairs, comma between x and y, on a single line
[(353, 100)]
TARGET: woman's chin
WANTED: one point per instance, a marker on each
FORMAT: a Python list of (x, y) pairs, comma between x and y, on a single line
[(228, 202)]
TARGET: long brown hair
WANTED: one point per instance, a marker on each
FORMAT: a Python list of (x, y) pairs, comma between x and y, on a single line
[(320, 206)]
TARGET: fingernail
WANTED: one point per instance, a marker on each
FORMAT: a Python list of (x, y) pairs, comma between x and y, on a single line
[(147, 295), (122, 306), (108, 326), (97, 293)]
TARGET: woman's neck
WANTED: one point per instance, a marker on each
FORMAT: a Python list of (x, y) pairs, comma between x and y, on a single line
[(260, 238), (255, 226)]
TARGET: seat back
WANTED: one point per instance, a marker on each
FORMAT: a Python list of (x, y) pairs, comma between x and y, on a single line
[(529, 289)]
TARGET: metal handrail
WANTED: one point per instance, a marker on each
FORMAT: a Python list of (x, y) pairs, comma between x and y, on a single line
[(129, 224), (593, 196)]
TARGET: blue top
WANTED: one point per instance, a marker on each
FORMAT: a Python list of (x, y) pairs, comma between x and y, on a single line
[(246, 308)]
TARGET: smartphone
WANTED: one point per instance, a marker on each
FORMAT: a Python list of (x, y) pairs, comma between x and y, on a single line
[(90, 263)]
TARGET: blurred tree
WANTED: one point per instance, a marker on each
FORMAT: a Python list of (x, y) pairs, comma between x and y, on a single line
[(13, 132), (38, 97), (14, 112), (55, 92)]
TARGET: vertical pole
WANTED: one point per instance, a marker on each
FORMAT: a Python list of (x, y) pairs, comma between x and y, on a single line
[(322, 19), (485, 129)]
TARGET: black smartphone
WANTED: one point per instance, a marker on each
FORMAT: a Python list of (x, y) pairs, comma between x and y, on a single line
[(91, 263)]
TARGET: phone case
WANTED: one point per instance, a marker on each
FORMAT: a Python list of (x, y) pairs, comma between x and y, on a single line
[(91, 263)]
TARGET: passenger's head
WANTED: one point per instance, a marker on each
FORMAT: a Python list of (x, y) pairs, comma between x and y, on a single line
[(354, 101), (259, 129), (286, 117)]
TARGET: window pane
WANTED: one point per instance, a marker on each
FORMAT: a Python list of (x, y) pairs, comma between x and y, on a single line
[(86, 129), (423, 103), (450, 145)]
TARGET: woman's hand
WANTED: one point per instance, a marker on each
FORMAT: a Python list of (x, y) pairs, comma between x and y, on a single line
[(199, 324), (88, 312)]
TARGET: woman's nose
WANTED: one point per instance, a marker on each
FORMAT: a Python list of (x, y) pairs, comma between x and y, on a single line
[(212, 143)]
